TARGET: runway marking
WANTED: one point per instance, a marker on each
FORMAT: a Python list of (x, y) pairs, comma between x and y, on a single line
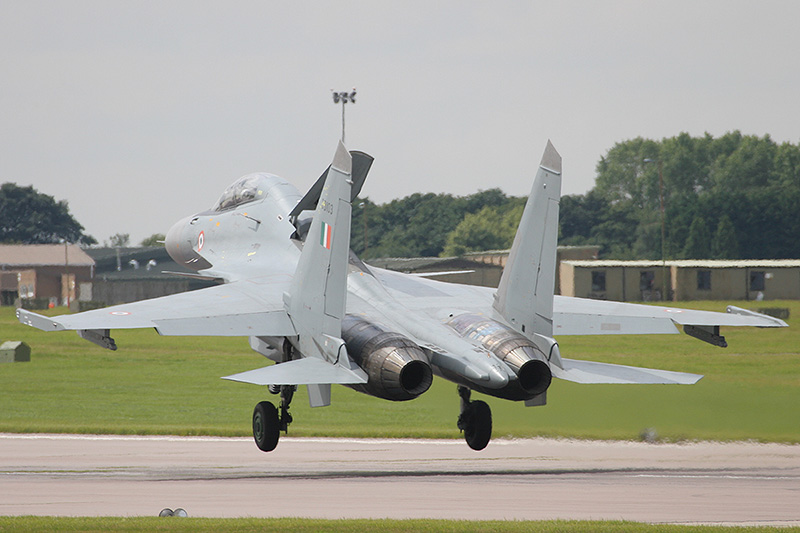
[(177, 438), (720, 476), (380, 441)]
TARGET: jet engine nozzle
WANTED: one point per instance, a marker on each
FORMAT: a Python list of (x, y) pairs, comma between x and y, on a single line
[(519, 353), (398, 369), (535, 376)]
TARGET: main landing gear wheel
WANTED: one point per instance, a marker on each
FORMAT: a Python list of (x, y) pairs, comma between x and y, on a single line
[(269, 421), (475, 420), (266, 426)]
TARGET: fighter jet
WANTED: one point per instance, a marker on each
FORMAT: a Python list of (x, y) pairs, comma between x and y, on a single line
[(290, 283)]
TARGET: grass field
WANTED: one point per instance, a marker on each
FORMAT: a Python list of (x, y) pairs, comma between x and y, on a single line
[(171, 385), (344, 526)]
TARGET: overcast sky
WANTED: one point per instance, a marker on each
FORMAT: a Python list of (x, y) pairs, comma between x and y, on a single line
[(141, 113)]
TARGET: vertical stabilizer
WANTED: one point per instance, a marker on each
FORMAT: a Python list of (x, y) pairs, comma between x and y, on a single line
[(316, 299), (524, 297)]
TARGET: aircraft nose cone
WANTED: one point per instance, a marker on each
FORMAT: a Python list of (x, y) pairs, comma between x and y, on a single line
[(182, 239)]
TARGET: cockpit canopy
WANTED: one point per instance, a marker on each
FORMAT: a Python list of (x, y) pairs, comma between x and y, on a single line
[(243, 191), (254, 188)]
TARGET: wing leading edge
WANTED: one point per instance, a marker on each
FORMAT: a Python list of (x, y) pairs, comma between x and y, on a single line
[(245, 308)]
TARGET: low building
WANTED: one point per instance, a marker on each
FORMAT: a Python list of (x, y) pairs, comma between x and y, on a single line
[(43, 274), (43, 271), (124, 275), (475, 268), (681, 280)]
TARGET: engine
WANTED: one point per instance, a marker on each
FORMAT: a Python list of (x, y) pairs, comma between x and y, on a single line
[(397, 368), (527, 361)]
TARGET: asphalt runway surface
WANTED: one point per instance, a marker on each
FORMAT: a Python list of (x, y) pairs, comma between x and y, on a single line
[(532, 479)]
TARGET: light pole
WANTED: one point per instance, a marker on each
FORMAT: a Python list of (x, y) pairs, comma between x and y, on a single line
[(363, 205), (663, 226), (66, 270), (344, 97)]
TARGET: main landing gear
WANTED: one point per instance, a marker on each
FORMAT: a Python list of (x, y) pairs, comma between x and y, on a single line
[(475, 420), (268, 422)]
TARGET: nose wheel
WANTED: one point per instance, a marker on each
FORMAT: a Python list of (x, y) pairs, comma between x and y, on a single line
[(475, 420), (268, 421)]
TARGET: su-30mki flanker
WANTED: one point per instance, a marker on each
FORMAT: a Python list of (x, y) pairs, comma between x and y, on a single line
[(290, 283)]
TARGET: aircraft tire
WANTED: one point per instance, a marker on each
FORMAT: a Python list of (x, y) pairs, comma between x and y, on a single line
[(478, 431), (266, 426)]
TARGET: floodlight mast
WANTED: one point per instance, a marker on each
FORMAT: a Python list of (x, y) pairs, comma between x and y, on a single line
[(663, 226), (344, 97)]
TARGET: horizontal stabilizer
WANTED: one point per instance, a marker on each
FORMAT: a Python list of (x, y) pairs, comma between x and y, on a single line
[(307, 371), (593, 372)]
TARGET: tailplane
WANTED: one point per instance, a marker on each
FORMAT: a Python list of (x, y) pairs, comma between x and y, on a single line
[(524, 297)]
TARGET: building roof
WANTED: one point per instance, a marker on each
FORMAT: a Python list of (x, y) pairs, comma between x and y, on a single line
[(16, 256), (133, 262), (689, 263), (419, 264)]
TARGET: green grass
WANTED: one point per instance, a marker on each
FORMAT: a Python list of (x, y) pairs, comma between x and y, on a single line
[(28, 523), (171, 385)]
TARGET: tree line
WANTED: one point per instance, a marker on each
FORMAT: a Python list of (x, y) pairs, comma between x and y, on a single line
[(732, 197)]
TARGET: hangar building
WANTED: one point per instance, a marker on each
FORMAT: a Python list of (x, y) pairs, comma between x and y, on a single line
[(626, 281)]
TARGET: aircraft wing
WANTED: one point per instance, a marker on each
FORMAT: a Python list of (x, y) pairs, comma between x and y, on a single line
[(581, 316), (573, 316), (242, 308)]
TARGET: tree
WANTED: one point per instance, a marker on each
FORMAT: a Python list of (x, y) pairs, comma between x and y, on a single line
[(156, 239), (787, 165), (579, 215), (750, 165), (623, 174), (417, 225), (490, 228), (750, 179), (725, 244), (699, 240), (29, 217)]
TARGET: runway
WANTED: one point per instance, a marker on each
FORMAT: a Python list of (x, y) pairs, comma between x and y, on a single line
[(534, 479)]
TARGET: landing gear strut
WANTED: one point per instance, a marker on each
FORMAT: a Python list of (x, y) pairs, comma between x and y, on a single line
[(475, 420), (268, 422)]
